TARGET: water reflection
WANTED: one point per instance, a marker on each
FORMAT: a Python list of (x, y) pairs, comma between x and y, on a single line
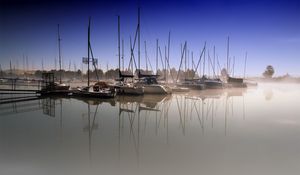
[(268, 94), (174, 134)]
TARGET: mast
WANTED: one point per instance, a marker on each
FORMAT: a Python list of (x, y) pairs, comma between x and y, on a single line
[(10, 68), (42, 64), (233, 64), (192, 61), (156, 56), (1, 72), (119, 52), (89, 31), (246, 55), (59, 53), (204, 61), (139, 39), (227, 67), (122, 54), (168, 54), (166, 72), (214, 62), (185, 61), (188, 63), (146, 56)]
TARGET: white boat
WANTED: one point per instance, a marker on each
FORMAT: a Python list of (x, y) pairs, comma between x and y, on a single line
[(129, 89), (123, 87), (151, 86), (180, 89)]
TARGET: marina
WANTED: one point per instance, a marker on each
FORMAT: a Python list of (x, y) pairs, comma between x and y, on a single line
[(149, 87)]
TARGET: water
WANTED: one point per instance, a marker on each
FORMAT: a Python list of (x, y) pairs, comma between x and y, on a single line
[(242, 131)]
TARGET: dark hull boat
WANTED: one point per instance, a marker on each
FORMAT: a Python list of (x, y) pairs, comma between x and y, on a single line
[(195, 84), (236, 82), (49, 87), (99, 90), (99, 94), (213, 84), (61, 87)]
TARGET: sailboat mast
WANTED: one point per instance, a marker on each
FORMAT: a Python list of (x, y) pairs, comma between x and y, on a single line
[(233, 64), (246, 55), (122, 54), (89, 31), (146, 55), (131, 57), (227, 68), (119, 52), (214, 62), (192, 61), (156, 56), (204, 61), (168, 54), (139, 39), (185, 61), (166, 64), (59, 53)]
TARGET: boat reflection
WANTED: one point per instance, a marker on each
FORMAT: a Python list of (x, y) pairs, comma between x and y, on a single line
[(130, 121)]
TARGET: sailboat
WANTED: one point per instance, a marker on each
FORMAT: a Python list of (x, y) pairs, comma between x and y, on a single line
[(150, 84), (212, 83), (145, 80), (60, 85), (233, 81), (123, 87), (100, 89), (190, 82), (49, 86)]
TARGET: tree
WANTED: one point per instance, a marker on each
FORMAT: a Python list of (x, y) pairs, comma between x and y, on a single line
[(269, 72), (224, 73)]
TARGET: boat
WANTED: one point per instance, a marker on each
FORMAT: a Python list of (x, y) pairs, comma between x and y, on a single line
[(195, 84), (179, 89), (150, 84), (49, 87), (123, 87), (60, 86), (214, 83), (146, 79), (129, 89), (250, 83), (233, 82), (98, 90)]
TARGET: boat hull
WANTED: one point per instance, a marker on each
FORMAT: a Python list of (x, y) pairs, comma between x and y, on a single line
[(194, 86), (94, 94), (213, 85), (130, 90), (157, 89)]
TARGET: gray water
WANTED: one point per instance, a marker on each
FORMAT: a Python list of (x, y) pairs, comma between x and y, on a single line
[(228, 132)]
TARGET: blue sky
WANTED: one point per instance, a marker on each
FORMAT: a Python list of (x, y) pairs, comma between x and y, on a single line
[(268, 30)]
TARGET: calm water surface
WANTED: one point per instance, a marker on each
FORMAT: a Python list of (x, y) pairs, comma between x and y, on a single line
[(234, 132)]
